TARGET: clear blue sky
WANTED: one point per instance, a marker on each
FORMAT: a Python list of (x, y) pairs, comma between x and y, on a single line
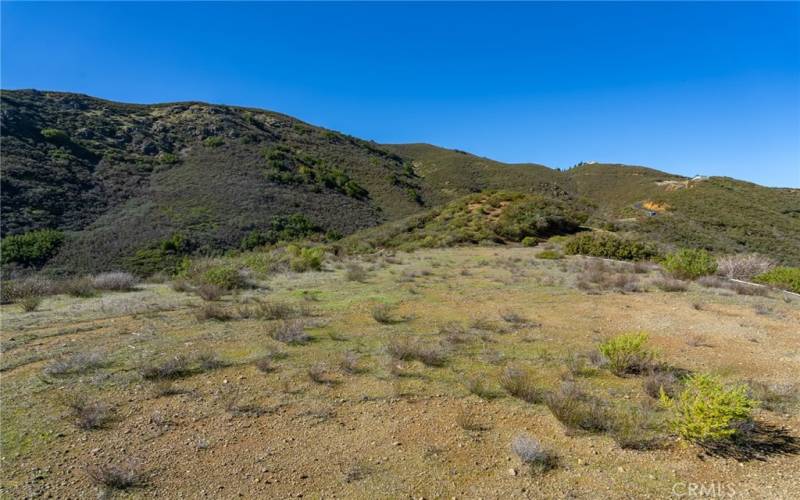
[(688, 88)]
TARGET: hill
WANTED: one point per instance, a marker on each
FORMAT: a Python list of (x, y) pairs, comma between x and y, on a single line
[(123, 179)]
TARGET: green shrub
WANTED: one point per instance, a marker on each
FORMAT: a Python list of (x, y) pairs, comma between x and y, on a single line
[(706, 411), (549, 255), (304, 259), (213, 141), (282, 228), (626, 353), (55, 135), (168, 256), (529, 241), (168, 159), (227, 278), (690, 263), (33, 248), (610, 246), (782, 277)]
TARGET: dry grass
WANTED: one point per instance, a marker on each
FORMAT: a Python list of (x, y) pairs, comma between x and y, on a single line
[(115, 281), (743, 267), (350, 362), (577, 410), (660, 381), (532, 454), (774, 396), (272, 310), (382, 313), (290, 332), (469, 421), (30, 303), (318, 373), (75, 364), (666, 284), (355, 272), (119, 476), (88, 414), (214, 312), (408, 348), (175, 367), (522, 384), (209, 292)]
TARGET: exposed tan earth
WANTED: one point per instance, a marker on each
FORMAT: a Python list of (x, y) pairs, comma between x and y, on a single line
[(390, 430)]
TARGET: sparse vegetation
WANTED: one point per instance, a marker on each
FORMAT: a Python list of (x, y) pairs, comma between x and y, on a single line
[(773, 396), (382, 313), (174, 367), (469, 421), (117, 476), (578, 410), (532, 454), (290, 332), (213, 311), (75, 364), (29, 303), (209, 292), (355, 272), (744, 266), (666, 284), (88, 414), (407, 348), (522, 383), (115, 281)]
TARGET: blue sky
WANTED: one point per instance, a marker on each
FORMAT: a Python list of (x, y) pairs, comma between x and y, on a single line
[(706, 88)]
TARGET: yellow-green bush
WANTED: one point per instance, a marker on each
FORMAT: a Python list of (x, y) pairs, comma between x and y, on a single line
[(707, 411), (626, 353), (599, 244), (305, 258), (783, 277), (228, 278), (690, 263), (549, 254)]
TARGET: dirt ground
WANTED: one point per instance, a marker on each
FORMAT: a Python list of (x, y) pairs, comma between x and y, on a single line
[(391, 429)]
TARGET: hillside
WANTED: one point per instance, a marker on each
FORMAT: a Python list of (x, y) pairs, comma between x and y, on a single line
[(122, 179)]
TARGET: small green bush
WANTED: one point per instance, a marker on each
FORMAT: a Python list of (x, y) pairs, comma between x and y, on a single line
[(213, 141), (549, 255), (168, 159), (782, 277), (227, 278), (281, 228), (529, 241), (55, 135), (33, 248), (706, 411), (304, 259), (690, 263), (626, 353), (610, 246), (168, 256)]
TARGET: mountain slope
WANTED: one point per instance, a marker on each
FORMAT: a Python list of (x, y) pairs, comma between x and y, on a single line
[(123, 178)]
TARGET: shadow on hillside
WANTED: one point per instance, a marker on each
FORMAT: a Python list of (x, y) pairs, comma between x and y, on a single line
[(758, 441)]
